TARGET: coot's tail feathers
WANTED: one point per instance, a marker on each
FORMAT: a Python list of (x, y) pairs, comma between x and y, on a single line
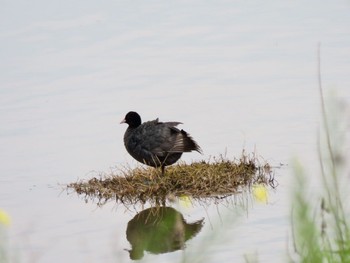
[(185, 143)]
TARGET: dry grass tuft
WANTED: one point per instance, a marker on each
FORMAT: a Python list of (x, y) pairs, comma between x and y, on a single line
[(213, 178)]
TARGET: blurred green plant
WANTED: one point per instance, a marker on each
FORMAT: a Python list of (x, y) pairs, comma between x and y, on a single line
[(322, 234)]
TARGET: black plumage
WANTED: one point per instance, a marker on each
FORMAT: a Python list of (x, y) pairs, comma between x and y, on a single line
[(156, 143)]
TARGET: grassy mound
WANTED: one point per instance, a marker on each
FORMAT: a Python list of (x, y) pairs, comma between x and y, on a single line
[(212, 178)]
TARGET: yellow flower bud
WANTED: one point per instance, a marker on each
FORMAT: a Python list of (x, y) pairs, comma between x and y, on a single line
[(4, 218), (260, 193)]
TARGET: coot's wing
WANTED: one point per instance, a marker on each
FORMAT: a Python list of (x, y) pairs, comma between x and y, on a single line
[(163, 138), (169, 139), (159, 138)]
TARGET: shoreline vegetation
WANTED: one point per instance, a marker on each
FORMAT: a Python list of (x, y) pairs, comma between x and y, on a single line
[(320, 221)]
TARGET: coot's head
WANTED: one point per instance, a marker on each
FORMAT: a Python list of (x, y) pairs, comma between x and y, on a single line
[(133, 119)]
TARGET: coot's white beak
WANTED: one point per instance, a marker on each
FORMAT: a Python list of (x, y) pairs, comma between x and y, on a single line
[(123, 121)]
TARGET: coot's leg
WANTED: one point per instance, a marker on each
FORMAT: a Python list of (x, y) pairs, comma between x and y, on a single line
[(163, 170)]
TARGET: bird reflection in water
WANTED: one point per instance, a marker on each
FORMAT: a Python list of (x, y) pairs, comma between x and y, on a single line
[(159, 230)]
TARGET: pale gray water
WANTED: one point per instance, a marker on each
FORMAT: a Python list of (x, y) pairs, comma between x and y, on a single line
[(237, 74)]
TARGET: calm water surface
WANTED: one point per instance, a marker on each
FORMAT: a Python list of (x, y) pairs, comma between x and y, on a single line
[(237, 74)]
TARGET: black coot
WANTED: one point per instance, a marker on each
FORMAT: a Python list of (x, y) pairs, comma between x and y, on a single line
[(155, 143)]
